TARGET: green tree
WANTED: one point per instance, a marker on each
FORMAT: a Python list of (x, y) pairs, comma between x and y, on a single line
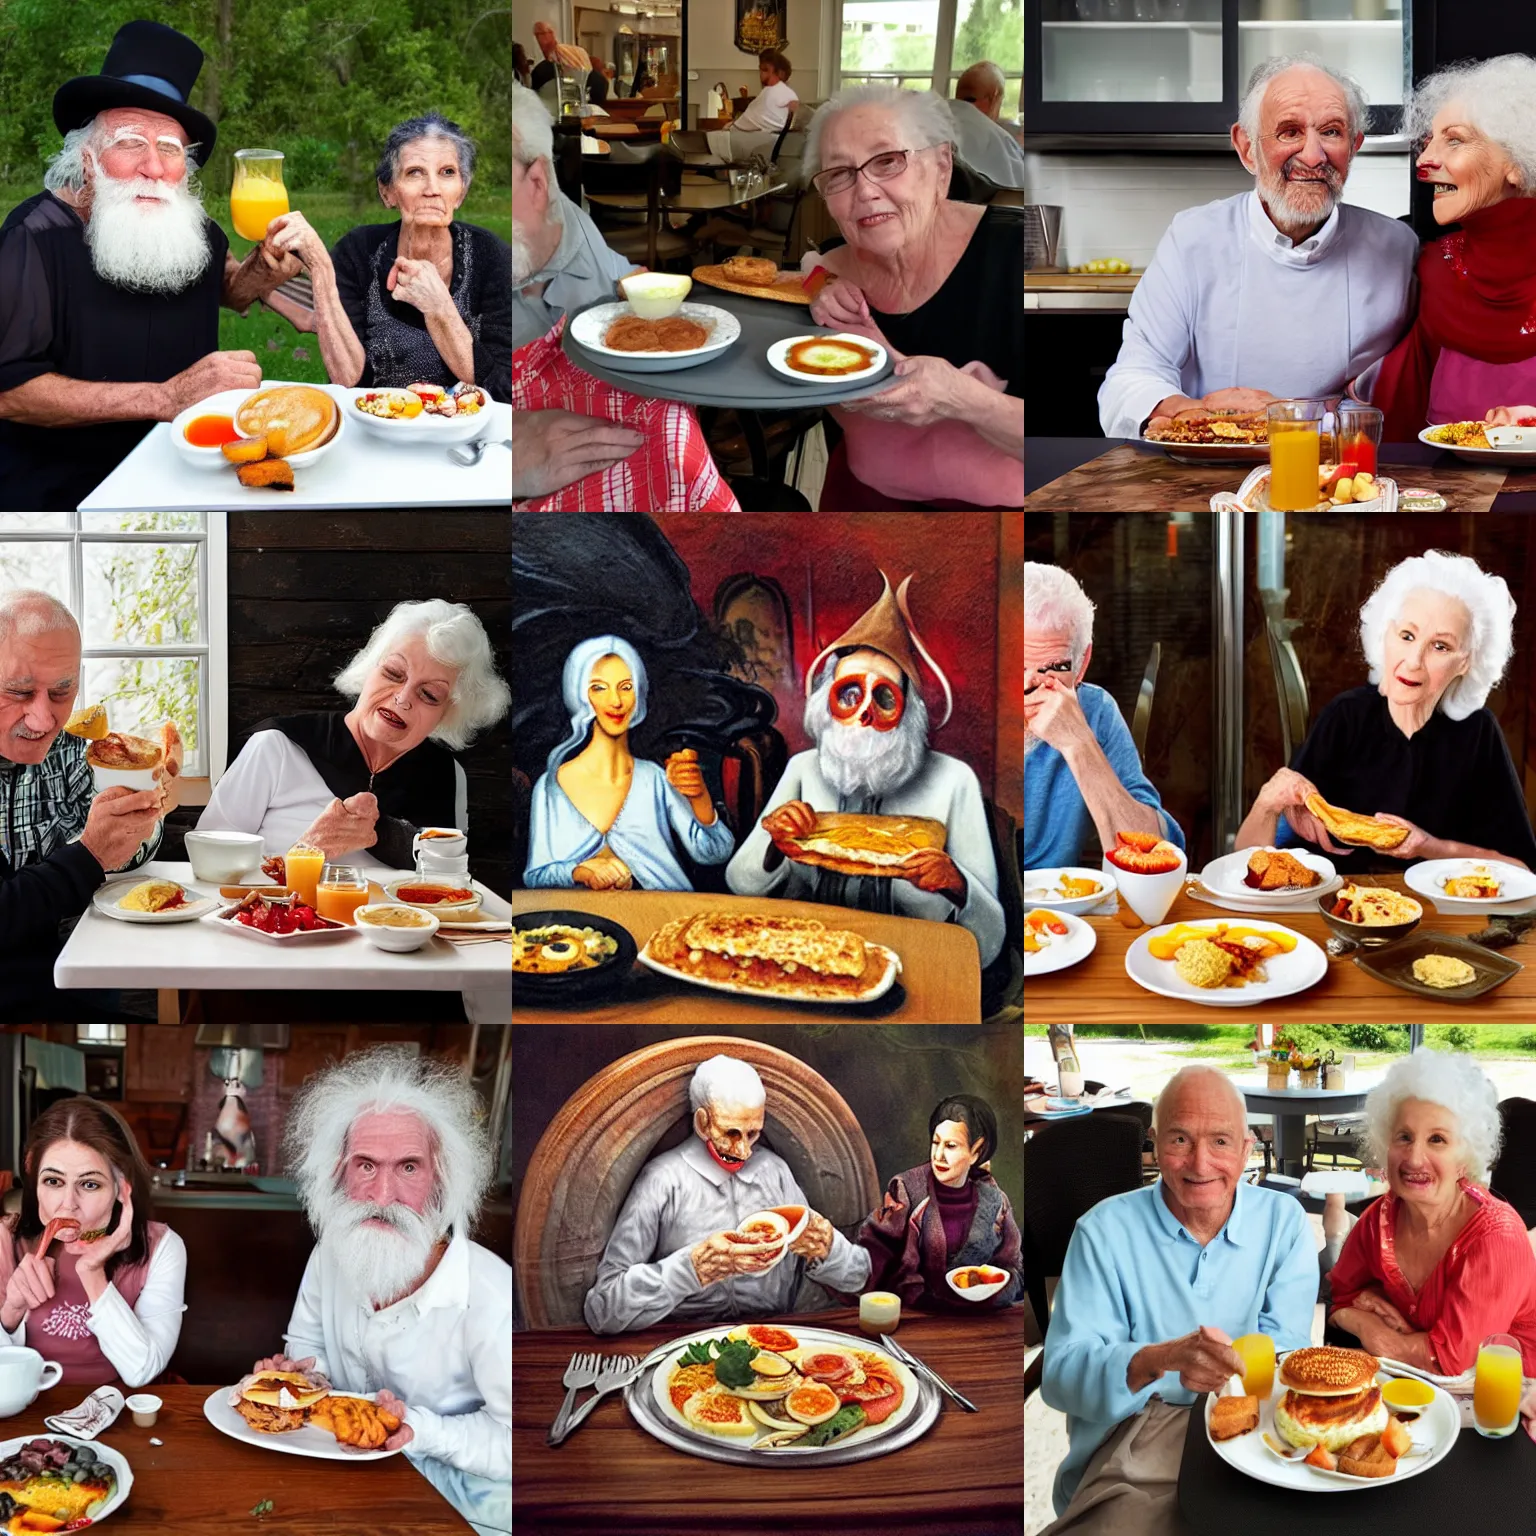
[(991, 29)]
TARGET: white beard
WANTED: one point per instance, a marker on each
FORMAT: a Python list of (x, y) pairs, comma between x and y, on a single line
[(1297, 209), (857, 759), (162, 249), (524, 263), (378, 1265)]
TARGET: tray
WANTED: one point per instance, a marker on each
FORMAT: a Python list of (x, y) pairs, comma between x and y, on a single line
[(785, 290), (1393, 964)]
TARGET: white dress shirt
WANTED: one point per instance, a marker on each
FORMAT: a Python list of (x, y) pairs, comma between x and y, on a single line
[(445, 1350), (769, 110), (678, 1199), (1228, 301)]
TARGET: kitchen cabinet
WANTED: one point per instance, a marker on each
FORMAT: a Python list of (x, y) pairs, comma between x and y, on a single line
[(1144, 67), (313, 1047), (157, 1063)]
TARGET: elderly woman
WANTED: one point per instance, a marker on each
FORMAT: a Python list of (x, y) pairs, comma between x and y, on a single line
[(1417, 745), (425, 298), (939, 284), (602, 817), (422, 687), (1438, 1263), (1471, 351)]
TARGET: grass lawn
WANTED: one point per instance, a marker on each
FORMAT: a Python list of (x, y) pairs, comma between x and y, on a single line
[(283, 352)]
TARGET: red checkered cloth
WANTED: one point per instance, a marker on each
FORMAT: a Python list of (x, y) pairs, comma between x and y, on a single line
[(672, 472)]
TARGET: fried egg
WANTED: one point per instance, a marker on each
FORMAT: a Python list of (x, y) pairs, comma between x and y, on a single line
[(717, 1412)]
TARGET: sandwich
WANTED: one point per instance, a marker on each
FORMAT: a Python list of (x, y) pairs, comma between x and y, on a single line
[(1272, 869), (124, 753), (1331, 1398), (864, 845), (292, 417), (1233, 1416), (1351, 827), (276, 1402), (783, 956)]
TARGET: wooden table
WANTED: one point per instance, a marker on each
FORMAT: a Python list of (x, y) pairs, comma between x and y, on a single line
[(963, 1478), (200, 1481), (1098, 991), (940, 981)]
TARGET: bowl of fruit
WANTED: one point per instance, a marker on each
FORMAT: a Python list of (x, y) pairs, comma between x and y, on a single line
[(1149, 870)]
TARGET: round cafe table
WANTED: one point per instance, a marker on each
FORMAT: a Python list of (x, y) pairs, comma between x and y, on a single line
[(1291, 1105)]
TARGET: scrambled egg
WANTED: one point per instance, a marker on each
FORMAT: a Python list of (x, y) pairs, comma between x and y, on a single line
[(1442, 971), (1203, 964)]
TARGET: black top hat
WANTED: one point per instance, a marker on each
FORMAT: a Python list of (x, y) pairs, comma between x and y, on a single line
[(149, 65)]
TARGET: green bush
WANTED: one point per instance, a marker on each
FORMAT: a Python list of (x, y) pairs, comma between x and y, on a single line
[(1527, 1042), (1460, 1037), (311, 165), (1376, 1037)]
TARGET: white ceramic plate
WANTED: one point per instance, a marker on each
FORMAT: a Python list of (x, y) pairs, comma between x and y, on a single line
[(225, 919), (975, 1292), (881, 987), (1288, 974), (107, 897), (591, 325), (1077, 944), (791, 1236), (104, 1452), (1428, 879), (1210, 453), (1041, 888), (1224, 876), (776, 355), (419, 431), (1524, 457), (309, 1441), (1436, 1428), (441, 909)]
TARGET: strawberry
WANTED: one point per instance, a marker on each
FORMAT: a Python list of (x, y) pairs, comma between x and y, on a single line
[(1145, 842)]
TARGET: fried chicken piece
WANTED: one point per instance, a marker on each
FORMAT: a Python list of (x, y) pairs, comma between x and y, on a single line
[(680, 335), (629, 333), (274, 474), (247, 450)]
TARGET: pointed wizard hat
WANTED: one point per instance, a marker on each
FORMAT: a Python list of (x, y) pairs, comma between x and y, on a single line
[(887, 627)]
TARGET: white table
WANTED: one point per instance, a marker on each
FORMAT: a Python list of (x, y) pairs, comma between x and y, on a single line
[(360, 471), (1291, 1105), (107, 953)]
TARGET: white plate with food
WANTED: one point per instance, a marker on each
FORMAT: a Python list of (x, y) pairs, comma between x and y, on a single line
[(1233, 437), (830, 360), (421, 415), (1467, 441), (1053, 940), (1472, 884), (805, 1395), (976, 1282), (1067, 889), (431, 893), (1271, 876), (278, 922), (155, 900), (63, 1478), (662, 348), (1227, 964), (309, 1438), (1420, 1441)]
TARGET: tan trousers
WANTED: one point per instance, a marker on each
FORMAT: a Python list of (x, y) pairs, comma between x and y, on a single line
[(1131, 1484)]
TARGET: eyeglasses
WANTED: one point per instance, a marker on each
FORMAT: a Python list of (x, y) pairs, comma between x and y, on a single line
[(1059, 668), (872, 699), (173, 151), (885, 166)]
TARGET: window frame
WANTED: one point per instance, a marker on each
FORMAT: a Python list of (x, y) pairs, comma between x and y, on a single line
[(943, 75), (212, 540)]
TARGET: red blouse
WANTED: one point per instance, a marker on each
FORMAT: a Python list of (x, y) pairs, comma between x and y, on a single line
[(1485, 1283)]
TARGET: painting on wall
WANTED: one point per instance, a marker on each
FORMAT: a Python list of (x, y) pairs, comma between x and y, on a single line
[(761, 24)]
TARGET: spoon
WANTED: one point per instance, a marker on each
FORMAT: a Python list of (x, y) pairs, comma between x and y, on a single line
[(472, 453)]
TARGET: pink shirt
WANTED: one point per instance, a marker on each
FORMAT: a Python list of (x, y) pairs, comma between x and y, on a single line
[(1464, 389)]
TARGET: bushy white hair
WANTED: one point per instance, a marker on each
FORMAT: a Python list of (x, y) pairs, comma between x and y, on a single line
[(1053, 600), (456, 638), (923, 118), (1437, 1077), (383, 1080), (533, 130), (858, 761), (726, 1080), (1193, 1073), (66, 171), (1491, 639), (1495, 96), (26, 611), (1248, 113)]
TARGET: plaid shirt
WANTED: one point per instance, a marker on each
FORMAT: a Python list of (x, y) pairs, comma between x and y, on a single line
[(44, 805)]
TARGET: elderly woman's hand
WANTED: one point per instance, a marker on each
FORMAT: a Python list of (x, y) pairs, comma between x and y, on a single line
[(1511, 416), (419, 284), (1372, 1300), (345, 826), (291, 234), (928, 392), (1285, 794), (1417, 845)]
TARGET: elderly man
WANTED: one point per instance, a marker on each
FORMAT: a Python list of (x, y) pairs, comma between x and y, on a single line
[(1156, 1285), (869, 723), (58, 839), (1275, 293), (111, 278), (983, 85), (674, 1254), (983, 141), (392, 1160), (1081, 772)]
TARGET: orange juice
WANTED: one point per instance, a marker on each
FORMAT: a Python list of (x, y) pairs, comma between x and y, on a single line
[(254, 204), (1293, 466), (1257, 1352), (340, 902), (1497, 1389), (303, 867)]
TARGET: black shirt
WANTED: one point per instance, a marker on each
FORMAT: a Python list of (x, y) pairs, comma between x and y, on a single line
[(415, 791), (1453, 778), (397, 346), (58, 316)]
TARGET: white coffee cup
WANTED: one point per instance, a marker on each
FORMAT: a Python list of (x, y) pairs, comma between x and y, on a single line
[(441, 851), (23, 1374)]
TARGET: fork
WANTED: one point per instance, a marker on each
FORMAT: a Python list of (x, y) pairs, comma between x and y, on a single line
[(583, 1371), (616, 1373)]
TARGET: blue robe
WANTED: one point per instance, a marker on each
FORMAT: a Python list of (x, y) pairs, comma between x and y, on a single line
[(560, 837)]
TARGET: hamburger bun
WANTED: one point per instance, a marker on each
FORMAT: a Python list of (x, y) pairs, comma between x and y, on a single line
[(1328, 1371), (277, 1401)]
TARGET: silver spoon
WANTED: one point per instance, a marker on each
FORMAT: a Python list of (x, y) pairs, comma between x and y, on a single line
[(472, 453)]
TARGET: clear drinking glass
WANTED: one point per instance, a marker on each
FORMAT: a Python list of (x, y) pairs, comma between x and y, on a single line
[(1295, 450), (1498, 1386)]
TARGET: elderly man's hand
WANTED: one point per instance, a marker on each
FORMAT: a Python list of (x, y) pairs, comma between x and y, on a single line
[(816, 1241), (207, 376), (389, 1403), (1238, 399), (791, 820), (931, 869), (557, 448), (717, 1258), (1204, 1359), (1052, 711), (118, 822)]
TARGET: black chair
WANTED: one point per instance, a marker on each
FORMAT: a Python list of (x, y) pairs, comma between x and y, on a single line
[(1514, 1174), (1068, 1168), (1141, 1112)]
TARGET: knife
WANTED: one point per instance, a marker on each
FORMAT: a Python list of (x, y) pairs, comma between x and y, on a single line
[(929, 1372)]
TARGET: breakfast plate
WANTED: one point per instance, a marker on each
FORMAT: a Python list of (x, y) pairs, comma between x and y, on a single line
[(890, 960), (329, 928), (102, 1454), (1286, 973), (1224, 877), (1061, 950), (650, 1399), (310, 1440), (1518, 457), (1516, 886), (778, 359), (591, 325), (194, 904), (1043, 888), (1208, 453)]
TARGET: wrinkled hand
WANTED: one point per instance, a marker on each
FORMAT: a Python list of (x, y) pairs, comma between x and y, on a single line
[(1238, 399), (1377, 1337), (1528, 1411), (1204, 1359), (816, 1241), (604, 871), (1417, 845), (931, 869), (717, 1258), (791, 820), (1374, 1302), (120, 819), (1053, 712), (841, 306), (419, 284), (928, 393), (387, 1400), (1285, 793), (291, 237), (557, 448), (685, 775), (283, 1363), (94, 1256), (207, 376), (345, 826), (1511, 416)]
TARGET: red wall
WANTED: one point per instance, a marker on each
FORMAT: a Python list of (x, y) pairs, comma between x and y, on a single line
[(832, 566)]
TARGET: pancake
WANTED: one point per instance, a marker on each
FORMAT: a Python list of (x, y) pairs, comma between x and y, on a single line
[(294, 417)]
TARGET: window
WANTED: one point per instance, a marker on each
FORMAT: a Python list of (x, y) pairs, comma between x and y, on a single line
[(928, 44), (148, 591)]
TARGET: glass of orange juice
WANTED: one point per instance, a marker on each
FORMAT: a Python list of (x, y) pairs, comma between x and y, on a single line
[(302, 868), (258, 194), (342, 890), (1295, 442), (1497, 1388), (1257, 1352)]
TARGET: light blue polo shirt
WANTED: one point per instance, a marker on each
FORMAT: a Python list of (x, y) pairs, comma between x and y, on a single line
[(1133, 1276), (582, 271)]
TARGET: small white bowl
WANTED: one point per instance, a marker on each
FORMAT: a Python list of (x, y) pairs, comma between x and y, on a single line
[(1149, 896), (222, 858), (221, 404), (976, 1292), (144, 1406), (418, 431), (655, 295), (398, 941)]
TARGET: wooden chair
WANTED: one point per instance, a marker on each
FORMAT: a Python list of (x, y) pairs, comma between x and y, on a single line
[(1290, 685), (1141, 717)]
